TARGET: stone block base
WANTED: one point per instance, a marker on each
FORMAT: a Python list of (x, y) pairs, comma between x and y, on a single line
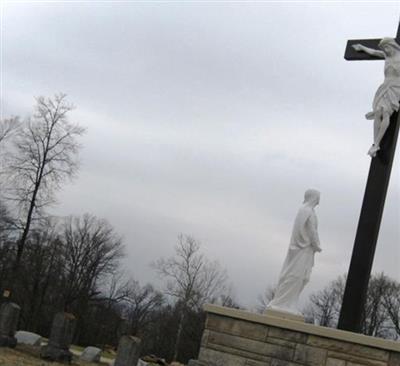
[(55, 354), (6, 341), (238, 338)]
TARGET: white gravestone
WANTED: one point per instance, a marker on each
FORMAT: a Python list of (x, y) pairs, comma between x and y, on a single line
[(24, 337), (90, 354), (296, 270)]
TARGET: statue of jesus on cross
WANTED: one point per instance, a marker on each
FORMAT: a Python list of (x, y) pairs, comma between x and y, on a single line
[(386, 115), (387, 96)]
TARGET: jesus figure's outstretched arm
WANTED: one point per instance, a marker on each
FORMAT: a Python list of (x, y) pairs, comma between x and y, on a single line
[(370, 51)]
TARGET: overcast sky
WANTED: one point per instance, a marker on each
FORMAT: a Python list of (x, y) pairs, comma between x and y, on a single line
[(211, 119)]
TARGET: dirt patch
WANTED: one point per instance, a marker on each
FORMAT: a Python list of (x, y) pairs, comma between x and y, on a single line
[(16, 357)]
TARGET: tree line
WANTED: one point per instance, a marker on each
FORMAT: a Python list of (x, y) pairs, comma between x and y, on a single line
[(73, 264)]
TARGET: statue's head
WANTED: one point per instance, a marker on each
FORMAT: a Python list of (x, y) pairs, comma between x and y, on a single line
[(389, 45), (311, 197)]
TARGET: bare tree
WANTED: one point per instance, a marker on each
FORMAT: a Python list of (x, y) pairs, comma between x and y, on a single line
[(191, 279), (8, 233), (116, 287), (137, 302), (41, 270), (8, 127), (7, 227), (392, 305), (141, 302), (43, 157), (325, 305), (376, 319), (379, 316), (91, 249), (228, 299)]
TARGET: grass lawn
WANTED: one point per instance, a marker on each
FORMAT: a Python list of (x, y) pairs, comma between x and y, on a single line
[(29, 356)]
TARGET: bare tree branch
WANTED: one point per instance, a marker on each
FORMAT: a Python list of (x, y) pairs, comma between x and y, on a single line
[(190, 278), (8, 127), (43, 157)]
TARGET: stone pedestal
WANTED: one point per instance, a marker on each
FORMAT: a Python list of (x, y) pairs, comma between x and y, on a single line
[(62, 331), (239, 338), (128, 351), (9, 316)]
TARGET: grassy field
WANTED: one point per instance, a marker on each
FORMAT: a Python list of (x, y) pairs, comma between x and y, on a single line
[(29, 356)]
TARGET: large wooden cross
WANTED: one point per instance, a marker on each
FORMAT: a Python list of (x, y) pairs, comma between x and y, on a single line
[(355, 294)]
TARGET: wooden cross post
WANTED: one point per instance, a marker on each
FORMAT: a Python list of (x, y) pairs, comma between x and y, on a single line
[(352, 312)]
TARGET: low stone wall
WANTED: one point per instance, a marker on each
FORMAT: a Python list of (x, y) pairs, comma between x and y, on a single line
[(238, 338)]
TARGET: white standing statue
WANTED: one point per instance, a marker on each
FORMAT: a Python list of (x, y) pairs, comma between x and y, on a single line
[(387, 96), (299, 261)]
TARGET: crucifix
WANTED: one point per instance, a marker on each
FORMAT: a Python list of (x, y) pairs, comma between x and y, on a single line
[(386, 129)]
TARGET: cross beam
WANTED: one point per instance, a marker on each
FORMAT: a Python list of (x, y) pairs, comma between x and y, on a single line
[(352, 55), (352, 311)]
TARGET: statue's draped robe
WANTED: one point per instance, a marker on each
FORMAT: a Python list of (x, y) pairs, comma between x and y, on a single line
[(299, 260), (387, 96)]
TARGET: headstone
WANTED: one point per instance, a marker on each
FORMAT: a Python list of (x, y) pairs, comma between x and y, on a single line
[(123, 328), (62, 331), (90, 354), (128, 351), (24, 337), (9, 316)]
